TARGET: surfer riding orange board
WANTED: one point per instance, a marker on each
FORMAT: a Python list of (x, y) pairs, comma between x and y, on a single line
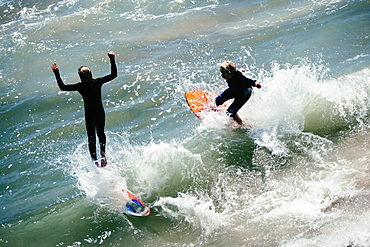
[(202, 103)]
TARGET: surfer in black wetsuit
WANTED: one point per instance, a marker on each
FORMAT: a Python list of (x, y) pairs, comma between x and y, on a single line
[(90, 90), (240, 89)]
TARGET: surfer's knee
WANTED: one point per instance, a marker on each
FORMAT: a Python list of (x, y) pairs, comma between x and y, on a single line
[(217, 101)]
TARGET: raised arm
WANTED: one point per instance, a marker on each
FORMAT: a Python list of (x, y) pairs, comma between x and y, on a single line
[(113, 69), (61, 84)]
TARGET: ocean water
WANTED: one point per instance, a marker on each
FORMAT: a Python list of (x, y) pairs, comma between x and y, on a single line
[(299, 177)]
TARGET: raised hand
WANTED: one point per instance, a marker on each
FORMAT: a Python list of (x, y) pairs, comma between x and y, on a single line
[(111, 54), (54, 66)]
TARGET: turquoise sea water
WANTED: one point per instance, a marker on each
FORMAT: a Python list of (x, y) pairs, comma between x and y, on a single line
[(299, 177)]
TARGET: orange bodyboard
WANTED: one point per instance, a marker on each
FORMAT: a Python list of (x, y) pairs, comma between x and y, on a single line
[(202, 102)]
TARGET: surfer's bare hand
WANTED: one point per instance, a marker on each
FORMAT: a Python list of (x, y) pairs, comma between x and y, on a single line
[(54, 66), (111, 54), (257, 85)]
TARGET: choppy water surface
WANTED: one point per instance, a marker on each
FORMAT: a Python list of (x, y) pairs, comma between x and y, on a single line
[(298, 177)]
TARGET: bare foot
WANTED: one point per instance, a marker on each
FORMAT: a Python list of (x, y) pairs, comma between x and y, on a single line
[(103, 160), (238, 119)]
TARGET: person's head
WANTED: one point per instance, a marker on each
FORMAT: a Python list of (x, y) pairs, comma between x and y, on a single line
[(227, 69), (85, 74)]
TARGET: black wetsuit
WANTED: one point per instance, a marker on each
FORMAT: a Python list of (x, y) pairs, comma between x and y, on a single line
[(94, 111), (240, 89)]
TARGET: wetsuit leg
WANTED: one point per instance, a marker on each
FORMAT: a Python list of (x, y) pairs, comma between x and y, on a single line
[(225, 96), (239, 102), (100, 124), (90, 128)]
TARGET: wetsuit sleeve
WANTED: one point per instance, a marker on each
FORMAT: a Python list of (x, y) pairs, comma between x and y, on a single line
[(248, 82), (240, 81), (252, 83), (113, 73), (61, 84)]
